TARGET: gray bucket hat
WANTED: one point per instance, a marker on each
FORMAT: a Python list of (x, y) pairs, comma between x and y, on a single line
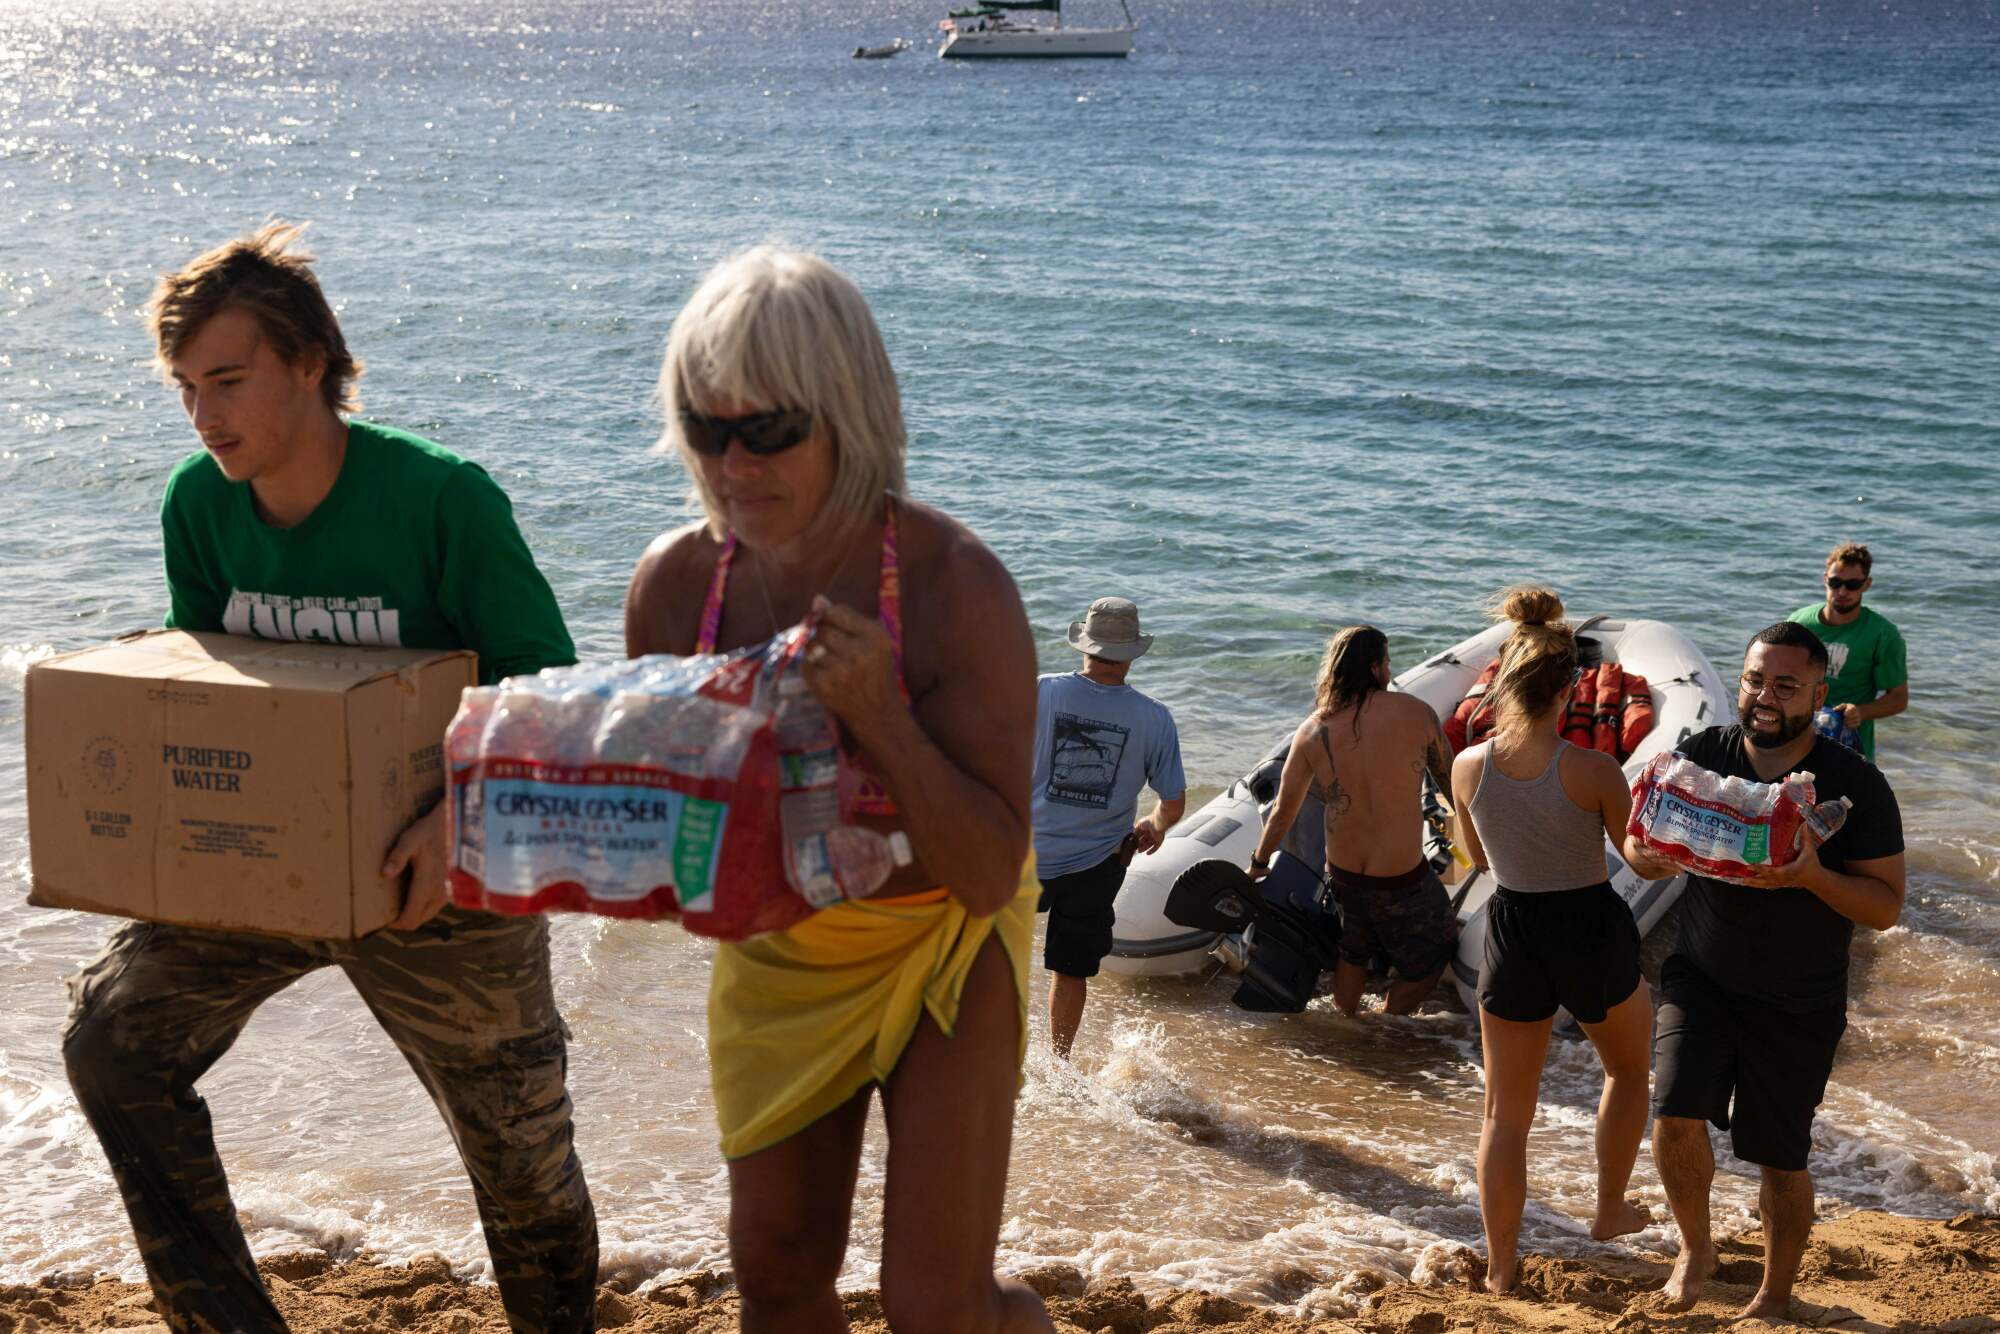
[(1110, 629)]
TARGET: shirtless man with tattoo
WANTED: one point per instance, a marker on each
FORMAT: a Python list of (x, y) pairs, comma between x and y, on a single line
[(1365, 752)]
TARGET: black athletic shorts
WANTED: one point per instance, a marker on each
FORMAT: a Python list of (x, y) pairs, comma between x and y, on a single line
[(1573, 948), (1710, 1044), (1406, 919), (1080, 917)]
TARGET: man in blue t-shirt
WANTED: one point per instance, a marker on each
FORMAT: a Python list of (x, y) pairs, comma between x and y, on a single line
[(1754, 998), (1097, 742)]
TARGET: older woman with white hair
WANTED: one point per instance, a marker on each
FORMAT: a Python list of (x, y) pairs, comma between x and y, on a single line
[(781, 403)]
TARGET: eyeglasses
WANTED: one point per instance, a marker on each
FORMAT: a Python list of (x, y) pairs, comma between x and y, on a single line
[(1754, 685), (762, 433), (1851, 585)]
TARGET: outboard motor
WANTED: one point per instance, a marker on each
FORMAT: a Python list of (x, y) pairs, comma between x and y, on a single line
[(1287, 949), (1277, 936), (1274, 935)]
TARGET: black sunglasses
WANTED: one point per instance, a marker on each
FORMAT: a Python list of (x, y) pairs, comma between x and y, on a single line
[(762, 433), (1851, 585)]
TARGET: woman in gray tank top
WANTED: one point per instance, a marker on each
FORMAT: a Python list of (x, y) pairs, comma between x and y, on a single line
[(1536, 811)]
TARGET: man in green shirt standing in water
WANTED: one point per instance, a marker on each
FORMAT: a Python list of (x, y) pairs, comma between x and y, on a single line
[(295, 523), (1867, 669)]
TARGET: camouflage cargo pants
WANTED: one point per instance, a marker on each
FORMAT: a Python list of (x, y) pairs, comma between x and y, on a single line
[(465, 997)]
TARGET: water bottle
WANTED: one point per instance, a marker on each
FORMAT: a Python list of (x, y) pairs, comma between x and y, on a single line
[(628, 727), (464, 807), (521, 725), (576, 716), (576, 700), (1832, 724), (826, 860), (468, 727), (1826, 818)]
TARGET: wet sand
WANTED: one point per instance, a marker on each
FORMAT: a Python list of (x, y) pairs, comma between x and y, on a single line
[(1864, 1272)]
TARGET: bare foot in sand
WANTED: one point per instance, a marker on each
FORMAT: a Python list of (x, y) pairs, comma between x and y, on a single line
[(1499, 1282), (1762, 1307), (1683, 1287), (1624, 1219)]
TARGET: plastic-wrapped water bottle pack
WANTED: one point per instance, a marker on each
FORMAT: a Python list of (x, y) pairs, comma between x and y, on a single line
[(1725, 827), (710, 788)]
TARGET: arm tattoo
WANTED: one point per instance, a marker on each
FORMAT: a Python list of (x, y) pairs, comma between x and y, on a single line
[(1434, 764)]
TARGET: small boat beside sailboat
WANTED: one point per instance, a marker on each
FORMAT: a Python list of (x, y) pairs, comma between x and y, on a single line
[(882, 52)]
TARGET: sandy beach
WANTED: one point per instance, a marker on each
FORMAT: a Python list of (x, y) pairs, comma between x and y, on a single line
[(1864, 1272)]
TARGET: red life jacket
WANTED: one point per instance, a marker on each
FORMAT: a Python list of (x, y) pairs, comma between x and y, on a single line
[(1611, 711), (1579, 724), (1470, 723), (1637, 719), (1623, 712), (1610, 708)]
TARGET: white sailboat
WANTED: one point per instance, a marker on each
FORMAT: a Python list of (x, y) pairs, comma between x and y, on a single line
[(990, 31)]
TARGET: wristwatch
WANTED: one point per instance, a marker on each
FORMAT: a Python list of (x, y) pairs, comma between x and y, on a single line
[(1259, 863)]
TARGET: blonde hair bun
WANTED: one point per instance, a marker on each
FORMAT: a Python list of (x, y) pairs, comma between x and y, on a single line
[(1528, 604), (1537, 660)]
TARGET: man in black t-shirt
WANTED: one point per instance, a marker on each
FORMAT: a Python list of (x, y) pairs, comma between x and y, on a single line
[(1754, 997)]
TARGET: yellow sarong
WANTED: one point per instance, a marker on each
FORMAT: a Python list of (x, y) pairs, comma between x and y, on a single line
[(801, 1020)]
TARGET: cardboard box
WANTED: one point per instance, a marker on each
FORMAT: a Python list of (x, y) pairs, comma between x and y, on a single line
[(219, 781)]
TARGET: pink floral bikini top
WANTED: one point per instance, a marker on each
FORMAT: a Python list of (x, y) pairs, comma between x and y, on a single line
[(873, 798)]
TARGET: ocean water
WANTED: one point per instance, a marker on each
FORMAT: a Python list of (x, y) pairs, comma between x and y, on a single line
[(1307, 314)]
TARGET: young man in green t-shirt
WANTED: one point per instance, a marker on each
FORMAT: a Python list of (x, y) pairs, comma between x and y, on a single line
[(1867, 671), (295, 523)]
